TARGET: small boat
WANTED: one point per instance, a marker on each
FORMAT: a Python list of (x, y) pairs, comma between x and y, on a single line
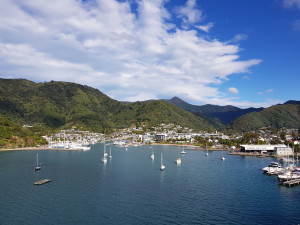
[(273, 168), (37, 167), (178, 161), (162, 167), (110, 156), (183, 152), (222, 158), (206, 151), (104, 160), (288, 175), (152, 155)]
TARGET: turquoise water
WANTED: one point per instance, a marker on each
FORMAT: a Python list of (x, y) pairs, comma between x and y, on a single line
[(130, 189)]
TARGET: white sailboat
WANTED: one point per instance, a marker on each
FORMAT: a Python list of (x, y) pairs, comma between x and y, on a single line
[(37, 167), (152, 155), (162, 167), (222, 158), (178, 160), (110, 156), (206, 150), (105, 153), (183, 152), (104, 159)]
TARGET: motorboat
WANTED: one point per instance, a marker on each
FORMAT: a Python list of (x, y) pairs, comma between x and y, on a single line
[(288, 175), (273, 168)]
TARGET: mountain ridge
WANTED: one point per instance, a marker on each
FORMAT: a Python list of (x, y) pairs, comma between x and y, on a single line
[(65, 104), (225, 114)]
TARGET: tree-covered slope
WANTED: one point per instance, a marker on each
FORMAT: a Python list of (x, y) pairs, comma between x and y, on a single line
[(225, 114), (278, 116), (64, 104), (14, 135)]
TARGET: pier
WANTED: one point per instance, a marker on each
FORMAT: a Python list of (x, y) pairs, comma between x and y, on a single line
[(40, 182), (291, 182)]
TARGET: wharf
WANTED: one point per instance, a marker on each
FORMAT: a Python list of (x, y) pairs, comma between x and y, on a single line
[(291, 182), (245, 154), (40, 182)]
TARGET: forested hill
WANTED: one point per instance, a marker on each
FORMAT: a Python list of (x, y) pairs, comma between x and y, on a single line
[(226, 114), (64, 104), (277, 116)]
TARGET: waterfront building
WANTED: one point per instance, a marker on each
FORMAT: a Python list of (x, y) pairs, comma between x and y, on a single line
[(270, 149), (284, 151)]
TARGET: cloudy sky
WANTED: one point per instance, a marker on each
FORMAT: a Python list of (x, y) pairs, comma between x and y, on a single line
[(229, 52)]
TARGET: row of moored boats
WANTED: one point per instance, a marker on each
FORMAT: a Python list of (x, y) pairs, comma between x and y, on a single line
[(284, 173)]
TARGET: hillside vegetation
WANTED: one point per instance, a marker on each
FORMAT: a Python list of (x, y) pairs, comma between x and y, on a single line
[(65, 105), (278, 116), (225, 114), (13, 135)]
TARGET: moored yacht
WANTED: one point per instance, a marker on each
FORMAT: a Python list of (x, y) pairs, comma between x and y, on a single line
[(288, 175), (273, 168)]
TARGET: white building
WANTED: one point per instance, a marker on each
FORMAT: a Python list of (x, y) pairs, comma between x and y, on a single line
[(284, 151), (261, 148)]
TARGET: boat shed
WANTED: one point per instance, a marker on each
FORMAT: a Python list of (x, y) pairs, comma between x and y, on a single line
[(261, 148)]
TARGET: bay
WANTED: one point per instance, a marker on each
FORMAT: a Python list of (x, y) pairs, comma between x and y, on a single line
[(130, 188)]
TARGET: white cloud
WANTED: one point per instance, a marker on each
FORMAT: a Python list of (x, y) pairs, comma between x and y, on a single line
[(206, 28), (233, 90), (238, 38), (127, 55), (265, 92), (291, 3), (189, 13)]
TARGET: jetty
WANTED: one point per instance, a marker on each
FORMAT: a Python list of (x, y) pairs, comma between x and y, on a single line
[(40, 182), (291, 182)]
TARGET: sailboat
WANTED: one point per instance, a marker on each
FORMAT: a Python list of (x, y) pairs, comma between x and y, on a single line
[(183, 152), (152, 155), (105, 153), (206, 151), (37, 167), (222, 158), (104, 159), (162, 167), (110, 156), (178, 160)]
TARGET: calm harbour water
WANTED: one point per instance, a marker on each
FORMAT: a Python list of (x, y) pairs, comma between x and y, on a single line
[(130, 189)]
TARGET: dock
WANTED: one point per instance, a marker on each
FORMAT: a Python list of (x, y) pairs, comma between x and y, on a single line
[(291, 182), (40, 182)]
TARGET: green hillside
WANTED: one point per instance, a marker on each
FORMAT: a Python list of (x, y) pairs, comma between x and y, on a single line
[(278, 116), (63, 105), (14, 135)]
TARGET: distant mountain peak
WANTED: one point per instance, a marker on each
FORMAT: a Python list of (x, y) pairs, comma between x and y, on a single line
[(292, 102), (226, 114)]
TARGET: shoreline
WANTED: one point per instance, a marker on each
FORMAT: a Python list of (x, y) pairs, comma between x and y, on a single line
[(192, 147), (36, 148)]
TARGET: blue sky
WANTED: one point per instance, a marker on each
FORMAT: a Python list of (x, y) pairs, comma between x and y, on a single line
[(231, 52)]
